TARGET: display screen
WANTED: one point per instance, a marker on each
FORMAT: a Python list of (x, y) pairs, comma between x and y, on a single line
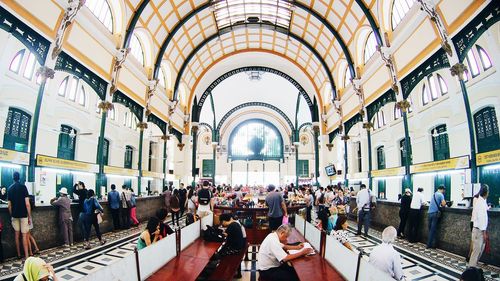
[(330, 170)]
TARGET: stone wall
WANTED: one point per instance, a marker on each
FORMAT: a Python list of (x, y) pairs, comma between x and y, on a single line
[(453, 232), (46, 229)]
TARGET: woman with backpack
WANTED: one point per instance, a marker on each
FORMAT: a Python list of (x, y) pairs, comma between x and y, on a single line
[(175, 207)]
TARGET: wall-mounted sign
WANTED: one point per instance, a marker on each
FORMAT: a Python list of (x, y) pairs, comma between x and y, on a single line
[(358, 176), (489, 157), (442, 165), (120, 171), (389, 172), (54, 162), (14, 157), (149, 174)]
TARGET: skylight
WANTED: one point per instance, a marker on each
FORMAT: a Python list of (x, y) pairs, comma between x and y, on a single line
[(231, 12)]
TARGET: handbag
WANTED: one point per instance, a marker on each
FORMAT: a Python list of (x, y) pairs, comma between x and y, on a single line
[(285, 220), (440, 209), (99, 218)]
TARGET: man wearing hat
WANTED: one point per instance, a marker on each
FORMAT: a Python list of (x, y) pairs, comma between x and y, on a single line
[(65, 218)]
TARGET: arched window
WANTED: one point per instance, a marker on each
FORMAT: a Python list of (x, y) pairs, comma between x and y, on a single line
[(62, 87), (161, 78), (129, 153), (381, 166), (474, 56), (370, 47), (102, 11), (397, 112), (105, 152), (82, 97), (486, 125), (433, 88), (255, 140), (402, 149), (440, 146), (67, 142), (136, 49), (347, 77), (399, 10), (73, 89), (112, 114), (17, 130), (379, 120), (15, 64), (328, 94)]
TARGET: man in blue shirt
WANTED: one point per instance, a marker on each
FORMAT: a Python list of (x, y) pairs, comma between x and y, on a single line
[(437, 202), (114, 206)]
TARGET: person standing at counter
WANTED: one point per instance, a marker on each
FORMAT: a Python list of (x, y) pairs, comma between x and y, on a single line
[(125, 201), (65, 218), (133, 208), (114, 206), (277, 207), (480, 225), (404, 210), (204, 200), (434, 214), (415, 215), (20, 211), (182, 199), (91, 208), (363, 200), (167, 192), (80, 190)]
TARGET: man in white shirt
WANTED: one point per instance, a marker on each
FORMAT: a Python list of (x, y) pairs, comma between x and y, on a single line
[(385, 257), (272, 258), (363, 201), (415, 215), (480, 221)]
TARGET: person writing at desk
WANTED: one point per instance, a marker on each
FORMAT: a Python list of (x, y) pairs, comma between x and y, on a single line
[(272, 256)]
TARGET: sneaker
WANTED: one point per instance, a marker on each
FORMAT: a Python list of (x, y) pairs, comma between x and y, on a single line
[(103, 241)]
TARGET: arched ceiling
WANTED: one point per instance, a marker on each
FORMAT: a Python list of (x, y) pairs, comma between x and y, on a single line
[(344, 17)]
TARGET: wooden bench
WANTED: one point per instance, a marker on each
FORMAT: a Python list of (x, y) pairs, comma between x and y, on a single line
[(228, 266), (189, 264), (312, 267)]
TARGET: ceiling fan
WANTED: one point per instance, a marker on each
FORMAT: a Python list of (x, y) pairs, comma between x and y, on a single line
[(73, 133)]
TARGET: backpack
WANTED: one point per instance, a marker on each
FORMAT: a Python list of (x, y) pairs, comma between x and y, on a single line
[(213, 234), (191, 218), (204, 196)]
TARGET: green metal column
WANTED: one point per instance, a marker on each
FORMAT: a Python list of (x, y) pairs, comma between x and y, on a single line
[(139, 164), (194, 131), (100, 152), (296, 166), (346, 181), (470, 123), (164, 161), (369, 138), (407, 177), (316, 154), (214, 162), (34, 131)]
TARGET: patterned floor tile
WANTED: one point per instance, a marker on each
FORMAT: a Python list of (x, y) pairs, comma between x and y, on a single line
[(86, 267), (68, 275)]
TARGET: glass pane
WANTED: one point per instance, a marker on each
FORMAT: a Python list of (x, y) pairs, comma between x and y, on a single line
[(62, 88), (136, 49), (255, 140), (425, 95), (370, 46), (15, 64), (442, 85), (30, 66), (102, 11), (485, 59), (72, 89), (473, 67), (433, 87), (81, 96)]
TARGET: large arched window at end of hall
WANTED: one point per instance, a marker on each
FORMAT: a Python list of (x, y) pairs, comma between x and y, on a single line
[(255, 140), (17, 129), (486, 125), (399, 9), (129, 153), (67, 142), (370, 47), (136, 49), (433, 88), (102, 11)]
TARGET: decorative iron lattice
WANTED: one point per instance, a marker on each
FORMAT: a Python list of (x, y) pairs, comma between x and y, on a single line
[(35, 42), (467, 37), (134, 107), (255, 104), (333, 134), (68, 64), (435, 62), (158, 122), (351, 122), (377, 104)]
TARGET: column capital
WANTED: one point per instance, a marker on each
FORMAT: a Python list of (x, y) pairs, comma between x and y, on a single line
[(403, 105), (45, 73), (180, 146), (367, 125), (105, 106), (316, 127), (458, 69), (142, 126)]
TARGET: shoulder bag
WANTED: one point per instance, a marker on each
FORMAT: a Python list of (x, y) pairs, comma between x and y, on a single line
[(440, 209)]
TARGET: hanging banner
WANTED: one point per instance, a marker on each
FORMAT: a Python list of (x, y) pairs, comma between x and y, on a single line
[(489, 157), (389, 172), (442, 165), (120, 171), (14, 157), (149, 174), (54, 162)]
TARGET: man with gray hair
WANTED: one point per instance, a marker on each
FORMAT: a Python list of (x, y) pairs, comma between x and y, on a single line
[(277, 207), (385, 258), (272, 258)]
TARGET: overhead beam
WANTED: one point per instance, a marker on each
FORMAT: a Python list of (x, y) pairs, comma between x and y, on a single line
[(133, 22)]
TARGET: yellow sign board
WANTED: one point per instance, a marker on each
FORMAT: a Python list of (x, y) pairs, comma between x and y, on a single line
[(442, 165), (360, 176), (54, 162), (489, 157), (149, 174), (14, 157), (120, 171), (389, 172)]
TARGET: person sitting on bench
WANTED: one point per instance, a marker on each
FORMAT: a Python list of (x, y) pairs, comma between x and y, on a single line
[(272, 258), (234, 236)]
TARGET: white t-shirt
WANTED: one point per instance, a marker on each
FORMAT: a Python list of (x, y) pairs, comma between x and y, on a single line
[(271, 252), (417, 201)]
